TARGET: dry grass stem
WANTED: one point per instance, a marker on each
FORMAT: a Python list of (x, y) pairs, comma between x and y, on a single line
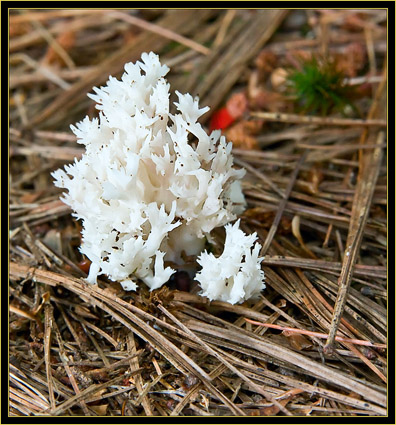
[(292, 118), (314, 343), (316, 334)]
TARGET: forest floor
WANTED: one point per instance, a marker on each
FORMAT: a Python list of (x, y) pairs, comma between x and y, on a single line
[(302, 96)]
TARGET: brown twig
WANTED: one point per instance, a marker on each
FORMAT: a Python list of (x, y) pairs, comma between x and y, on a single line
[(310, 264), (317, 334), (275, 116), (360, 210), (163, 32), (47, 349)]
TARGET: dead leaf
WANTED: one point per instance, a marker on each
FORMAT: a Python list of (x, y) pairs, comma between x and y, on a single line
[(98, 374), (266, 62), (100, 410), (242, 135), (66, 40), (297, 341), (351, 60)]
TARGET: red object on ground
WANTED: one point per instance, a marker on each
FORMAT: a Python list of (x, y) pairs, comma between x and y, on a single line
[(221, 119), (234, 109)]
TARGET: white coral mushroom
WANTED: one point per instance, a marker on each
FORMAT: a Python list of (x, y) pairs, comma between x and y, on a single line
[(143, 191), (236, 275)]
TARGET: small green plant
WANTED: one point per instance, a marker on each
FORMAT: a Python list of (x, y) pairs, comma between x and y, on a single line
[(319, 88)]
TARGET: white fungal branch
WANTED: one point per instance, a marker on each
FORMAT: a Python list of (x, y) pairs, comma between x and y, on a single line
[(236, 275)]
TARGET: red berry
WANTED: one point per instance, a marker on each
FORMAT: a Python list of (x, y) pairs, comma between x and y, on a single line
[(221, 119)]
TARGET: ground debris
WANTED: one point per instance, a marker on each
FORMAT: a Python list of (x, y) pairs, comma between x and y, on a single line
[(316, 188)]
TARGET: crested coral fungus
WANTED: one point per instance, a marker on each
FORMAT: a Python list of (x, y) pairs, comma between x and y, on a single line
[(143, 191)]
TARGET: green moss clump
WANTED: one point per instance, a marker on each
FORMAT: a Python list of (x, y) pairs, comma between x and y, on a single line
[(319, 88)]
